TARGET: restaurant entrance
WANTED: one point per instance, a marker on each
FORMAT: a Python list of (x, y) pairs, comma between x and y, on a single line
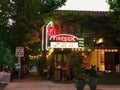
[(102, 59), (61, 65)]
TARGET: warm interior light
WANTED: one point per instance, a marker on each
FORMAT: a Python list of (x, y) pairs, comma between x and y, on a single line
[(95, 49), (89, 49), (99, 41)]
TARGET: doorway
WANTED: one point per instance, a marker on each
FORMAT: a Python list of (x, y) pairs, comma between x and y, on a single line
[(111, 60)]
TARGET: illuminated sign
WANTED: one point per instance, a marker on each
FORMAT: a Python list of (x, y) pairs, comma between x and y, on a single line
[(64, 38), (52, 31), (80, 42), (51, 38), (64, 45), (64, 41)]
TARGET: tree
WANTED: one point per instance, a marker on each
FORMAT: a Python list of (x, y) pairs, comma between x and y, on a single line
[(115, 14), (115, 11), (6, 56), (27, 18)]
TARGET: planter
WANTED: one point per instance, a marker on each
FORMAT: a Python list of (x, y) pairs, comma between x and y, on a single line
[(5, 77), (93, 83), (80, 84)]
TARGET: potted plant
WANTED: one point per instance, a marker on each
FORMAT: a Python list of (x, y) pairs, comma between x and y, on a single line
[(93, 78), (76, 64)]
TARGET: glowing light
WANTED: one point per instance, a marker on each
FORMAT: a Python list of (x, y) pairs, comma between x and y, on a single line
[(79, 49), (62, 49), (116, 50), (72, 49), (105, 50), (95, 49), (35, 57), (64, 38), (63, 41), (52, 31), (64, 45), (50, 52), (89, 49), (100, 41)]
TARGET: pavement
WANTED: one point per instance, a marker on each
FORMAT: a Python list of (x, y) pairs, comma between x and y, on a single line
[(49, 85), (34, 82)]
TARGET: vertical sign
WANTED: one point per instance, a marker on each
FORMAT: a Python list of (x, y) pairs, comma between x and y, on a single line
[(80, 42), (43, 38), (19, 53), (48, 31)]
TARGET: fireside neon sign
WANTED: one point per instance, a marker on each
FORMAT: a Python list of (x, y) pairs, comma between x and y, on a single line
[(64, 38), (51, 38), (64, 41)]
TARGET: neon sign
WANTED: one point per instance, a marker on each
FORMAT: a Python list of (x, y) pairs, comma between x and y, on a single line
[(64, 41), (64, 44), (52, 31), (64, 38), (51, 38)]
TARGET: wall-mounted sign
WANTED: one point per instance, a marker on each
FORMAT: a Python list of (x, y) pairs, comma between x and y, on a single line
[(51, 31), (64, 38), (80, 42), (64, 41), (51, 38), (64, 45), (48, 31)]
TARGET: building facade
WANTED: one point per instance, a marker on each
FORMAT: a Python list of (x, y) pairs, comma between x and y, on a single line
[(100, 45)]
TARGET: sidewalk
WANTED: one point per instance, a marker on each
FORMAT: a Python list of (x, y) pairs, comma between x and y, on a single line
[(34, 82), (48, 85)]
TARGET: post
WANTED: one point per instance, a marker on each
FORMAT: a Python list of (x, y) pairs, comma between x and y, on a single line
[(19, 67), (19, 53), (45, 59)]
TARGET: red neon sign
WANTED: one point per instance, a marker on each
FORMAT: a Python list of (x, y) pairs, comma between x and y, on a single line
[(64, 38), (52, 31)]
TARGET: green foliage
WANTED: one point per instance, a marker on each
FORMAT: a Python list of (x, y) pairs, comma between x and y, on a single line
[(5, 11), (27, 19), (115, 14), (40, 66), (6, 57), (93, 72), (114, 5), (76, 63)]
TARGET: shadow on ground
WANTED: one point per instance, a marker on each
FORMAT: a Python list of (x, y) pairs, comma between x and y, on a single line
[(2, 86)]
